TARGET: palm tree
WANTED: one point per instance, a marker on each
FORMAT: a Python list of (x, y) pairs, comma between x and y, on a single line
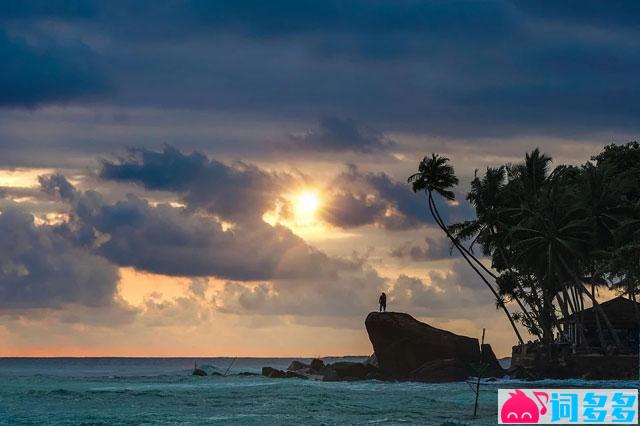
[(435, 174), (488, 230)]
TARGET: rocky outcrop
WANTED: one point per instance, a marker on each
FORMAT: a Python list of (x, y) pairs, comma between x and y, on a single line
[(404, 349), (407, 349), (339, 371), (315, 368), (490, 364), (442, 370)]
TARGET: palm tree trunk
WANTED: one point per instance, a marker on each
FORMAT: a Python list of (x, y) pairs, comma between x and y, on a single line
[(515, 297), (434, 212), (577, 314), (487, 270), (563, 308), (595, 303), (603, 344), (601, 311), (550, 318)]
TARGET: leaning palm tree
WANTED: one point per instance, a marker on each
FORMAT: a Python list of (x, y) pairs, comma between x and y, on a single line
[(489, 231), (435, 174)]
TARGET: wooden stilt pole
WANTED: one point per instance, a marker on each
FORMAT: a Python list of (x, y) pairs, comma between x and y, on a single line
[(230, 365), (475, 408)]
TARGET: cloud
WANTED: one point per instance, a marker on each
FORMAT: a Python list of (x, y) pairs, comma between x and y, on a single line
[(433, 249), (57, 185), (254, 19), (357, 198), (271, 271), (41, 269), (181, 242), (342, 135), (43, 71), (350, 294), (453, 293), (237, 192), (186, 311), (455, 69)]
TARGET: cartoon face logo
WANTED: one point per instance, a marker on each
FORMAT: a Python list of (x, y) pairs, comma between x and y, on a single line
[(519, 408)]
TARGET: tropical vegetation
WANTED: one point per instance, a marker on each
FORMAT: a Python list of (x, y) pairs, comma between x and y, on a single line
[(547, 240)]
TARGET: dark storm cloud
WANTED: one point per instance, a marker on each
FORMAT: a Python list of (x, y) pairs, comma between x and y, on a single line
[(57, 185), (457, 68), (233, 192), (357, 198), (41, 269), (592, 12), (44, 71), (341, 135), (177, 241), (280, 18)]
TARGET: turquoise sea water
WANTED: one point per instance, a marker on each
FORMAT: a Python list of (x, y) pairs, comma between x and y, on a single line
[(159, 391)]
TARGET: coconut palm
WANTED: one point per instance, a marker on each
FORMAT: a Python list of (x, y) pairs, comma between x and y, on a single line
[(488, 231), (436, 175), (554, 236)]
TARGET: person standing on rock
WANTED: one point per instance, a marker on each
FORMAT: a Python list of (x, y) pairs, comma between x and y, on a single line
[(383, 302)]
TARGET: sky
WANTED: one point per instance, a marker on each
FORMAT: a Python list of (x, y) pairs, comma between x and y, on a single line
[(208, 178)]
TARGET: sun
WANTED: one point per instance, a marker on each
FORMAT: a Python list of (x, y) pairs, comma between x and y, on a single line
[(306, 205)]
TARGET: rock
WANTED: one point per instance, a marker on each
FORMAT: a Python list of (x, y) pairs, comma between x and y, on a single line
[(298, 366), (372, 360), (273, 373), (352, 370), (294, 375), (198, 372), (491, 365), (329, 374), (442, 370), (317, 365), (406, 348)]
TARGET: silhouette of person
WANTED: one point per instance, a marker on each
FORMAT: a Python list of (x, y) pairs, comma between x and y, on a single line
[(383, 302)]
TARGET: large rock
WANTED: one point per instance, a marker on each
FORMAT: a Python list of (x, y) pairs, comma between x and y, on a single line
[(404, 347), (490, 365), (442, 370), (372, 361), (352, 370)]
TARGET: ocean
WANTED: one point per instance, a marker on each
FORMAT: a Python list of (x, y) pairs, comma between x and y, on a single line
[(162, 391)]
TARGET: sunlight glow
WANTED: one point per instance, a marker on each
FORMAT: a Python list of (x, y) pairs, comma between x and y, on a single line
[(306, 205)]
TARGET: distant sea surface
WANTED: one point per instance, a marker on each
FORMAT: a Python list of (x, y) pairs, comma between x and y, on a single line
[(162, 391)]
